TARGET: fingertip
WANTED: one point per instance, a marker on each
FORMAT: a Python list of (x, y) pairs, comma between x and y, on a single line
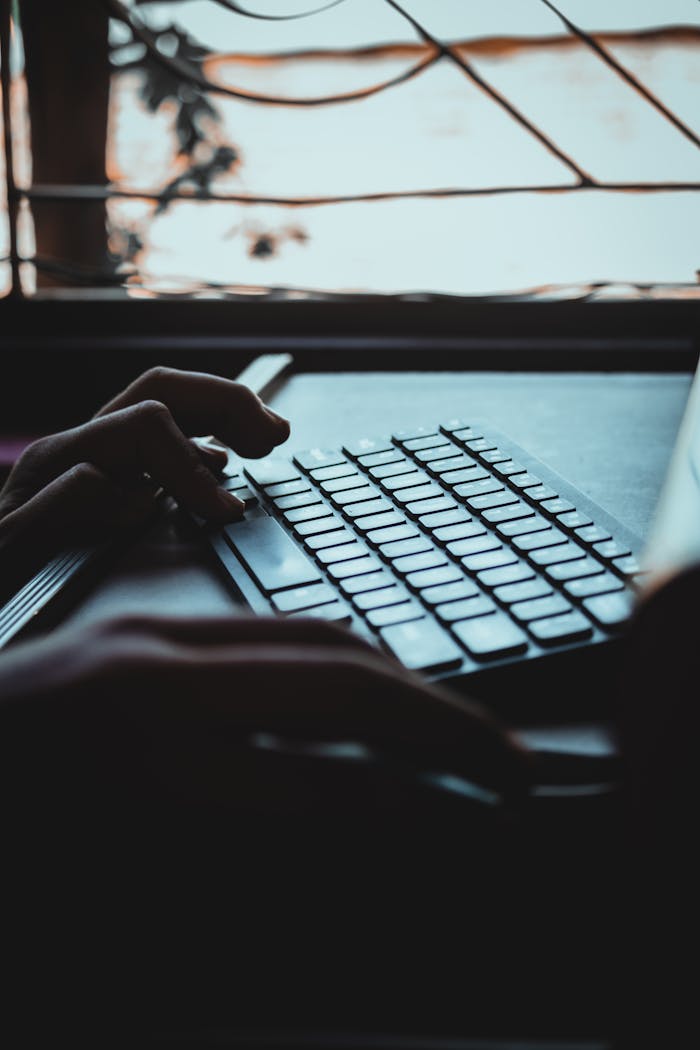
[(231, 507), (281, 424), (215, 458)]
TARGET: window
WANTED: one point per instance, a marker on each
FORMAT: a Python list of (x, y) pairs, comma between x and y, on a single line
[(520, 149)]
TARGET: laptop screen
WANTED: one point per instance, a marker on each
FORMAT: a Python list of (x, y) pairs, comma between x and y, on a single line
[(674, 543)]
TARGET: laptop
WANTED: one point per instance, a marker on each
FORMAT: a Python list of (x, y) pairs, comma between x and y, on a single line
[(449, 547)]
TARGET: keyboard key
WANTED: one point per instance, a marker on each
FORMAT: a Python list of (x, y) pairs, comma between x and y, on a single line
[(463, 530), (379, 599), (536, 540), (246, 495), (311, 458), (450, 425), (540, 493), (344, 552), (556, 506), (610, 549), (573, 570), (399, 548), (379, 517), (574, 519), (555, 630), (327, 473), (495, 455), (492, 560), (299, 499), (392, 455), (447, 517), (371, 581), (602, 583), (392, 534), (490, 637), (328, 539), (423, 507), (428, 455), (611, 611), (464, 476), (510, 512), (481, 444), (421, 646), (414, 562), (523, 527), (297, 514), (392, 470), (444, 574), (271, 472), (538, 608), (474, 545), (419, 492), (338, 612), (508, 467), (593, 534), (356, 567), (506, 574), (434, 441), (494, 499), (368, 508), (628, 566), (400, 613), (521, 592), (405, 481), (269, 554), (451, 612), (524, 481), (440, 467), (350, 496), (448, 592), (233, 481), (479, 488), (352, 481), (288, 488), (365, 446), (303, 597), (317, 526), (466, 434), (555, 555)]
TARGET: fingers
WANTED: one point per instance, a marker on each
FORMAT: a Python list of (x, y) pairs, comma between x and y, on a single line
[(310, 680), (131, 441), (71, 508), (213, 458), (329, 693), (207, 404), (333, 693), (240, 630)]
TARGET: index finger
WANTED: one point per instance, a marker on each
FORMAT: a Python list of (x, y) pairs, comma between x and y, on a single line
[(206, 404)]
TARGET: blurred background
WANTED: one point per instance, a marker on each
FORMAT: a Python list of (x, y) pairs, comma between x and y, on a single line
[(308, 149)]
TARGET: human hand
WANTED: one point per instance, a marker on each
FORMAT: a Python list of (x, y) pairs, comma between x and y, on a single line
[(102, 476), (140, 710)]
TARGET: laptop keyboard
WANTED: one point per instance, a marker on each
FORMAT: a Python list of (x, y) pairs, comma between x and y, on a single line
[(449, 545)]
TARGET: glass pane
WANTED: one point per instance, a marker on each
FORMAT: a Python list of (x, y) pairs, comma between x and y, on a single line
[(459, 148), (468, 246), (5, 269)]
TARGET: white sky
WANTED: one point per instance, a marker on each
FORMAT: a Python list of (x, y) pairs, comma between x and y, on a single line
[(435, 131)]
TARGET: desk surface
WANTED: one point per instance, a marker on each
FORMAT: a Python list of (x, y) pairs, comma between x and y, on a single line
[(611, 435)]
